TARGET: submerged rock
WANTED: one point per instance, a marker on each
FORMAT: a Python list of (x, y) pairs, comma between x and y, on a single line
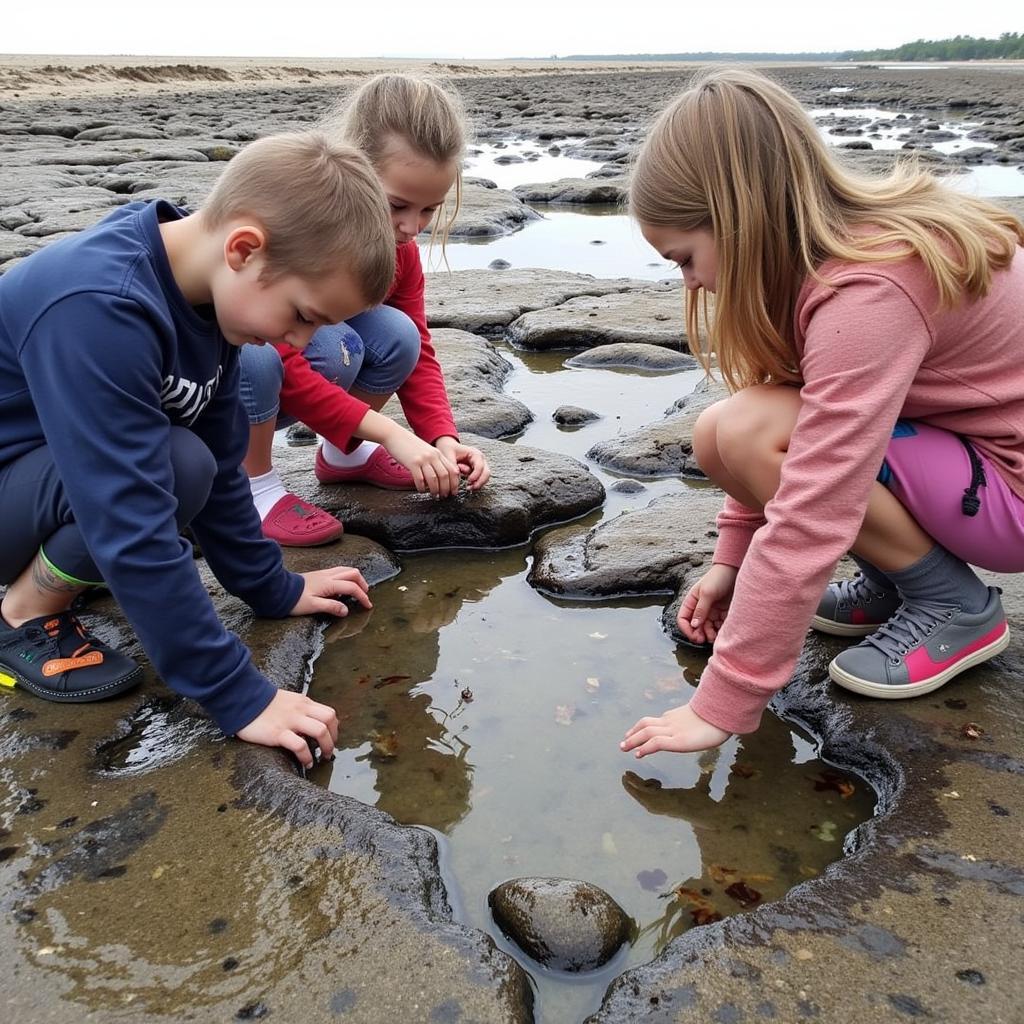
[(633, 356), (573, 416), (561, 923)]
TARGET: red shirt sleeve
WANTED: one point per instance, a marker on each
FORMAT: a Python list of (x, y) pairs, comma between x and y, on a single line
[(423, 395), (310, 397)]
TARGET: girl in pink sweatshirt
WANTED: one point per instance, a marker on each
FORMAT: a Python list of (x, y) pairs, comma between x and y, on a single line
[(872, 332)]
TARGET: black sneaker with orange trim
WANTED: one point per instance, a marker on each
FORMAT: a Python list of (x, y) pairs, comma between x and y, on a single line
[(56, 658)]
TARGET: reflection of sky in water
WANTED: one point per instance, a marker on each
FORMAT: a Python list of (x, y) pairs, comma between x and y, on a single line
[(527, 779), (564, 240), (542, 167), (989, 180)]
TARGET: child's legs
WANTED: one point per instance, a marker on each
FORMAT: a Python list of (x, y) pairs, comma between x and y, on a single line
[(741, 443), (928, 469), (391, 343), (40, 532), (337, 353), (259, 387)]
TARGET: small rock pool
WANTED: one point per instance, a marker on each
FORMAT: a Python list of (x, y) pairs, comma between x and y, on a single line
[(479, 708)]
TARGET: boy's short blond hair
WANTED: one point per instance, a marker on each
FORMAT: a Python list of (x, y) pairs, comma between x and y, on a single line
[(321, 206)]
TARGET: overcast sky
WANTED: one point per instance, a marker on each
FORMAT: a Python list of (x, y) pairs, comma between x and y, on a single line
[(477, 29)]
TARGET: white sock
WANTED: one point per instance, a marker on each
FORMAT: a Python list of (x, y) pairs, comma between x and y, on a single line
[(267, 491), (335, 457)]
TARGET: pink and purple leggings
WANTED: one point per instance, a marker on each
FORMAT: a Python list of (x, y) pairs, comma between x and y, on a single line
[(929, 470)]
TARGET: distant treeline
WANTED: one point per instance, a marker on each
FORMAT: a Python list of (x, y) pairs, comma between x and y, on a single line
[(1009, 46)]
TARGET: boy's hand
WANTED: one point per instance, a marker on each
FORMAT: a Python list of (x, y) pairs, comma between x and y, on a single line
[(471, 461), (431, 469), (679, 730), (324, 586), (286, 722), (704, 608)]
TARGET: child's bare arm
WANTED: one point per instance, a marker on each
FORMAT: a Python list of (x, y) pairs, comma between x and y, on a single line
[(471, 461), (679, 730), (288, 720)]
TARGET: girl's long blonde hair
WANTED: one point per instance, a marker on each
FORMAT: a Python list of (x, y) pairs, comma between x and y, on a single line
[(428, 118), (737, 155)]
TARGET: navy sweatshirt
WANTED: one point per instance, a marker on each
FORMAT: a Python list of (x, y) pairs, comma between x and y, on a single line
[(99, 355)]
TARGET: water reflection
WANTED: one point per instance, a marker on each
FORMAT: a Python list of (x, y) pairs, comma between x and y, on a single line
[(472, 704), (601, 241)]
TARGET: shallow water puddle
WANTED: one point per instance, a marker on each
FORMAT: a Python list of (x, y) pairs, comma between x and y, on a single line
[(601, 241), (511, 162), (890, 129), (475, 706)]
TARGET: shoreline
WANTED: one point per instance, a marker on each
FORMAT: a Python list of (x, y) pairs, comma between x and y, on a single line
[(60, 76)]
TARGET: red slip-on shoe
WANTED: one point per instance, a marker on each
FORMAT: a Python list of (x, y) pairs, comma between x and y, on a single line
[(380, 470), (295, 523)]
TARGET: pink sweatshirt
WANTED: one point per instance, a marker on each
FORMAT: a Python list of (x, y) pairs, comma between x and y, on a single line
[(873, 347)]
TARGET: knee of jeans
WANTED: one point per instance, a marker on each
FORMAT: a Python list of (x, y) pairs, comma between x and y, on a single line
[(397, 346), (262, 374), (194, 469)]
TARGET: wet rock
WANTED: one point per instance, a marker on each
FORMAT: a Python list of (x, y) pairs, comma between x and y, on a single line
[(485, 302), (661, 448), (651, 315), (298, 435), (498, 265), (529, 489), (573, 415), (490, 211), (627, 487), (474, 373), (661, 548), (575, 191), (633, 356), (561, 923), (114, 132)]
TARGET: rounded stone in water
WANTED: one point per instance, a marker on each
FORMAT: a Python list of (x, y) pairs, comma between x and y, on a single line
[(561, 923), (573, 415)]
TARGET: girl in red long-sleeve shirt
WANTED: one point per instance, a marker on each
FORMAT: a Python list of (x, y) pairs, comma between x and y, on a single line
[(413, 132), (871, 331)]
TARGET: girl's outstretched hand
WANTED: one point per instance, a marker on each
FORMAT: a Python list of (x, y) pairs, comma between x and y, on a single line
[(471, 461), (679, 730), (288, 720), (323, 587), (704, 608), (432, 469)]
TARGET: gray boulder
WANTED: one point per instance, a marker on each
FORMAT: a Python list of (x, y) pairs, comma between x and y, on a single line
[(474, 373), (663, 448), (490, 211), (486, 301), (529, 489), (633, 356), (561, 923), (576, 191), (573, 416), (651, 315), (656, 549)]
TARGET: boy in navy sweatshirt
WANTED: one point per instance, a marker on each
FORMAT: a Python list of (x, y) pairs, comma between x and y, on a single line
[(120, 423)]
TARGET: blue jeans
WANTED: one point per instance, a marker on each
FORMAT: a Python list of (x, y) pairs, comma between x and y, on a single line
[(375, 352)]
